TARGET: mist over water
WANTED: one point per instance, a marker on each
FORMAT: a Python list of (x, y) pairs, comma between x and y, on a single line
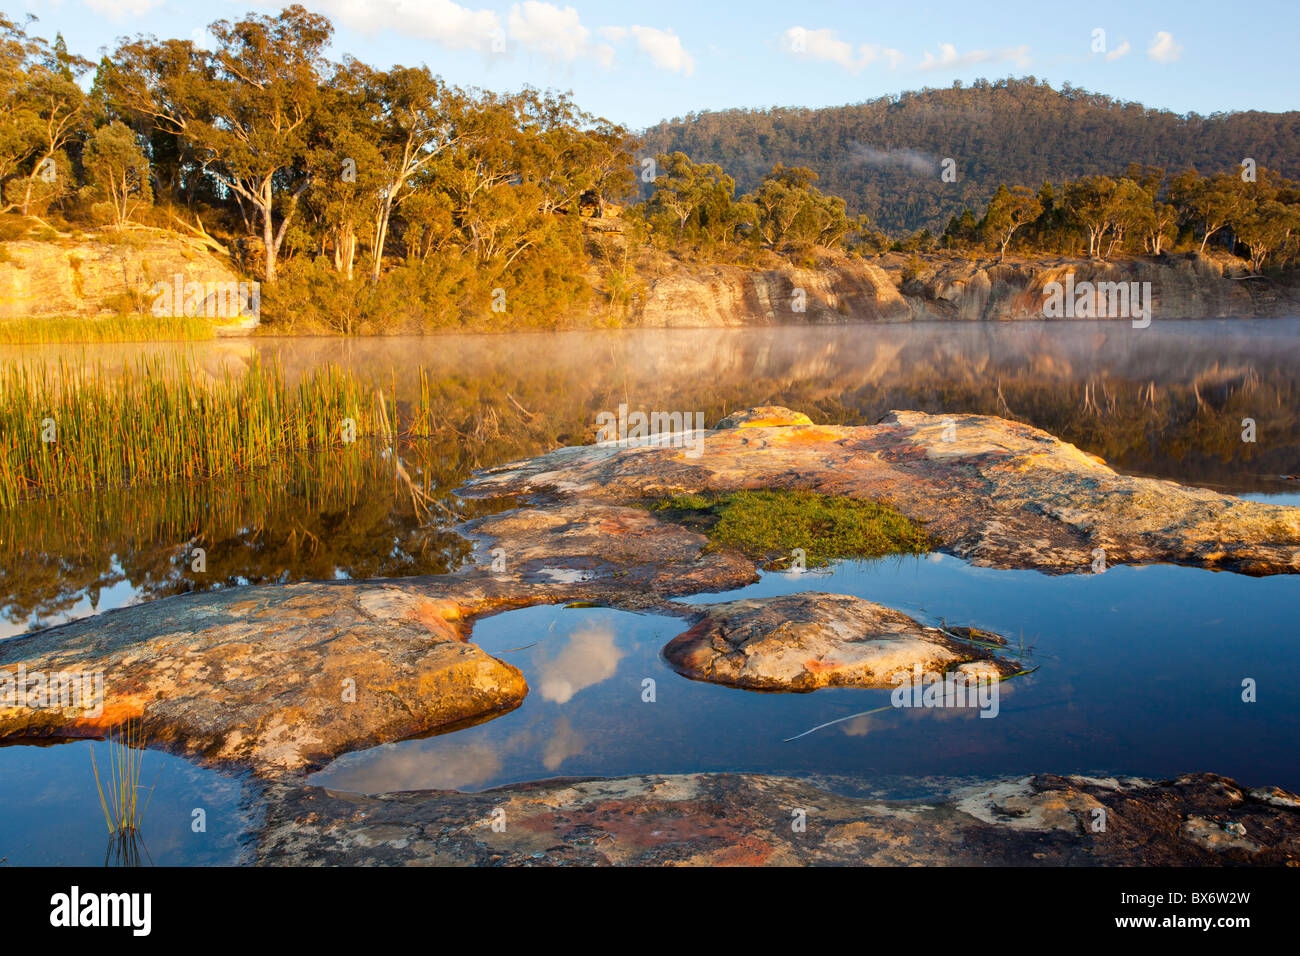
[(1132, 674), (1167, 401)]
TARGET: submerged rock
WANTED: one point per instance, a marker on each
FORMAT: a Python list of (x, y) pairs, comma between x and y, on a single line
[(753, 820), (801, 642)]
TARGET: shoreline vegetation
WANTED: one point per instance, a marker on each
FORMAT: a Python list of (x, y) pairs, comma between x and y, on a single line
[(383, 202), (71, 430), (88, 330)]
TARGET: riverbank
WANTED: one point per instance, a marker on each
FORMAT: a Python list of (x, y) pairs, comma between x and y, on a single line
[(88, 287)]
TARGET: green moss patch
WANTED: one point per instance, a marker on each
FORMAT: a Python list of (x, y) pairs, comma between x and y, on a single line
[(769, 525)]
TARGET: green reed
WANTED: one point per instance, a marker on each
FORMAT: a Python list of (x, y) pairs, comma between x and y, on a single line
[(66, 428), (119, 788)]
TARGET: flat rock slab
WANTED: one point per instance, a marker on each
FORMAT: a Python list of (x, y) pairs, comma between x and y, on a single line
[(280, 679), (592, 551), (255, 677), (995, 492), (746, 820), (800, 642)]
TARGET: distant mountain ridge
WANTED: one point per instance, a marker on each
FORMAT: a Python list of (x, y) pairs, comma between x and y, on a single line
[(884, 156)]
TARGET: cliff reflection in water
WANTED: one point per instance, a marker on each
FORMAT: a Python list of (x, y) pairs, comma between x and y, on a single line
[(1166, 401)]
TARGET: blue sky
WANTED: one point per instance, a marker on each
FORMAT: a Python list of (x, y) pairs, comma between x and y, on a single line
[(638, 63)]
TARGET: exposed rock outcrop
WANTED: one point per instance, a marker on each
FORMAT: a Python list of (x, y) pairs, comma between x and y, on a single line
[(804, 641), (995, 492), (761, 417), (88, 275), (259, 677), (839, 289), (279, 679), (1182, 287), (282, 678), (745, 820)]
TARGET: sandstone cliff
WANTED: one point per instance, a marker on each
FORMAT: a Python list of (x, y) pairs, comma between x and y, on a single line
[(90, 275), (850, 289), (839, 289), (1182, 287)]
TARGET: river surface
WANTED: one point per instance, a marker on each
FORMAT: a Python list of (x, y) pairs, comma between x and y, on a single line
[(1140, 670)]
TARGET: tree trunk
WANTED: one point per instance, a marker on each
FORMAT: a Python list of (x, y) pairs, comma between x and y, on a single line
[(268, 242)]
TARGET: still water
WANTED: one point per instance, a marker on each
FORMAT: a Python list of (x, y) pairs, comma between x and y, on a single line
[(1140, 669), (1139, 672)]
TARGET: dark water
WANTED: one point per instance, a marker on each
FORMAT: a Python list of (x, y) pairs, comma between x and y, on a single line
[(51, 813), (1166, 401), (1139, 672), (1140, 669)]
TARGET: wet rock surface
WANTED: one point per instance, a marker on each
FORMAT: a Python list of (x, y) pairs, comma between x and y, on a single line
[(801, 642), (749, 820), (278, 679), (256, 677), (995, 492)]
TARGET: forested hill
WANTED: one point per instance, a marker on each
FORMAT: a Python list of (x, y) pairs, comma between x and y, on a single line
[(884, 156)]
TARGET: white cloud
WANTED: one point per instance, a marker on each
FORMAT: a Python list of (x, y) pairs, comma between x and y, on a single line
[(533, 26), (911, 158), (589, 657), (664, 49), (1163, 49), (826, 46), (1122, 50), (547, 29), (949, 57), (118, 9), (443, 21)]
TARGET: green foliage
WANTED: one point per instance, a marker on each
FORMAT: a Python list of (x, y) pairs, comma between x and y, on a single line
[(376, 200), (883, 155), (1009, 209), (693, 203), (117, 171), (768, 525), (43, 112)]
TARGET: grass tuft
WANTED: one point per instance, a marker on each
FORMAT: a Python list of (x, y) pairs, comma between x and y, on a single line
[(769, 525), (120, 800)]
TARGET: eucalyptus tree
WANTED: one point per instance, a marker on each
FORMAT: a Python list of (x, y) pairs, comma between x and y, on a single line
[(1266, 227), (791, 209), (1008, 211), (1208, 203), (244, 109), (44, 111), (1089, 201), (18, 119), (118, 171), (418, 118), (684, 187)]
